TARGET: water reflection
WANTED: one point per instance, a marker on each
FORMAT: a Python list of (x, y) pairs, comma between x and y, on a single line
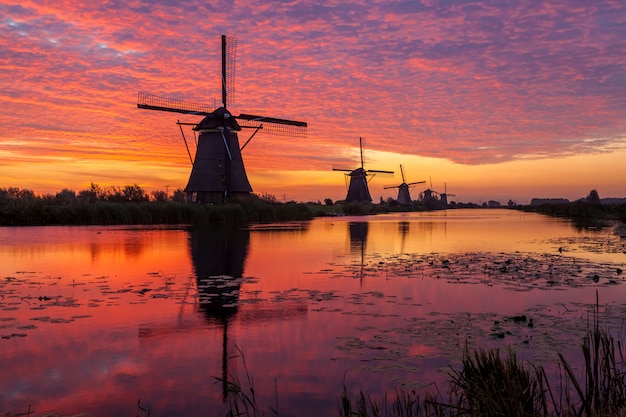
[(358, 241), (286, 294), (218, 255)]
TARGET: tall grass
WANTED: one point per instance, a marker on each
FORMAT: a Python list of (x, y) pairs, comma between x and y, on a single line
[(39, 213)]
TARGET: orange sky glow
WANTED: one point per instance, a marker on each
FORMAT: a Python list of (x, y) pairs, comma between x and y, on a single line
[(490, 100)]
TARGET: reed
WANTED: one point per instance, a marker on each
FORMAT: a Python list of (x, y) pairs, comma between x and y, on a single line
[(490, 385), (39, 212)]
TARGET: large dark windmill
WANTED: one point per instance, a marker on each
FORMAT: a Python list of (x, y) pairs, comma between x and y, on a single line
[(218, 171), (404, 196), (358, 190)]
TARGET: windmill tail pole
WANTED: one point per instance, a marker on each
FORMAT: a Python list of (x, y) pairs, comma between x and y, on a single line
[(250, 138), (226, 145), (186, 146)]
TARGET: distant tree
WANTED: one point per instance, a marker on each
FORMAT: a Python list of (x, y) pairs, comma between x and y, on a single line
[(20, 194), (179, 196), (328, 201), (93, 193), (511, 203), (593, 197), (65, 196), (134, 193), (160, 196)]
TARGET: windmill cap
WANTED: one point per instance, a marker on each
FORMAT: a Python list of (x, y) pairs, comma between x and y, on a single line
[(218, 118)]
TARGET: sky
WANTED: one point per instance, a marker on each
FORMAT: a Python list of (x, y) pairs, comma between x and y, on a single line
[(487, 100)]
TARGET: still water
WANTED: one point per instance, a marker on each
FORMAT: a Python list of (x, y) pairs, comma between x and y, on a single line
[(100, 319)]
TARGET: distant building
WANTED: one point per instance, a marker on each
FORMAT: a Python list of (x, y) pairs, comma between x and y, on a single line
[(493, 204)]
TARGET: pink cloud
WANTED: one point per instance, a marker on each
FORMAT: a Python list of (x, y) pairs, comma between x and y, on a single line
[(473, 82)]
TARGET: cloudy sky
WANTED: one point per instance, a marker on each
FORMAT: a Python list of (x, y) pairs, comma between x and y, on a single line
[(491, 99)]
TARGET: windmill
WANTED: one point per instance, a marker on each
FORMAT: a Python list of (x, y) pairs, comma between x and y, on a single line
[(358, 190), (404, 197), (429, 193), (218, 170), (444, 196)]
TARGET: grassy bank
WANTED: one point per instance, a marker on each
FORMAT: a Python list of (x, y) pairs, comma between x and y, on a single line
[(41, 212)]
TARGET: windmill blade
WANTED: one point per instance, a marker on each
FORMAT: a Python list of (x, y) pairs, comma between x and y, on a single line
[(391, 186), (342, 169), (153, 102), (229, 55), (417, 182), (273, 125), (271, 120), (379, 171), (402, 172)]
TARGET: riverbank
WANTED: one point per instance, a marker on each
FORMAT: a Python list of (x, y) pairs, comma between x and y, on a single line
[(131, 206), (42, 213), (579, 210)]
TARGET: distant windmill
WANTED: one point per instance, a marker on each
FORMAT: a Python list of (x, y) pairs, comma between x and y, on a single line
[(218, 171), (404, 197), (429, 193), (444, 196), (358, 190)]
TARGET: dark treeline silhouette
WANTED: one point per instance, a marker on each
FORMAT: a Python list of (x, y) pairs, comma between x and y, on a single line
[(590, 207), (133, 205)]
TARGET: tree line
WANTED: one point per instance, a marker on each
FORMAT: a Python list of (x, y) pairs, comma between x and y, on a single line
[(129, 193), (131, 204)]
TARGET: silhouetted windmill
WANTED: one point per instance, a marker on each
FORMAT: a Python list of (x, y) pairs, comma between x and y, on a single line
[(429, 193), (404, 196), (358, 190), (218, 171), (444, 196)]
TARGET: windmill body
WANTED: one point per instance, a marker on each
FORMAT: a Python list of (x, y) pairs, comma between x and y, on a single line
[(358, 190), (218, 171), (404, 197)]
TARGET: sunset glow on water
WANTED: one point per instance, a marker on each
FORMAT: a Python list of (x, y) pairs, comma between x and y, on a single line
[(96, 318)]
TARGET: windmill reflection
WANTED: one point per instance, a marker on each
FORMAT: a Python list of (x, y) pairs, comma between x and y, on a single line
[(358, 240), (219, 254), (403, 229)]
